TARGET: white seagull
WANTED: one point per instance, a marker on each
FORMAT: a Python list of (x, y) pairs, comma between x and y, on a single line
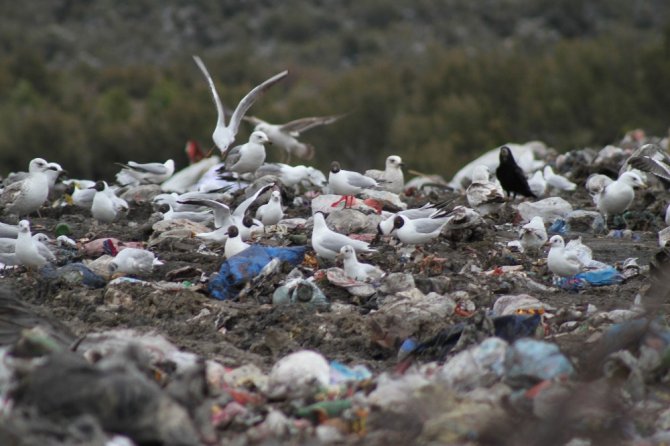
[(26, 250), (561, 261), (28, 195), (271, 212), (385, 227), (617, 196), (327, 243), (348, 183), (224, 135), (133, 261), (391, 178), (356, 270), (149, 173), (106, 206), (418, 231), (533, 235), (234, 244), (247, 158), (285, 136)]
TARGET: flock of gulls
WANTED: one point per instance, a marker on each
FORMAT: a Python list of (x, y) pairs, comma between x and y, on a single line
[(201, 192)]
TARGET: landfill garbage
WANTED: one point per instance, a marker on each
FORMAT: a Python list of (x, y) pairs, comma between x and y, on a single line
[(300, 291), (241, 268), (73, 274), (463, 340)]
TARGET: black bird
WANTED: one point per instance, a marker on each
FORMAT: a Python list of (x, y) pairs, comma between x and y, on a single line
[(511, 176)]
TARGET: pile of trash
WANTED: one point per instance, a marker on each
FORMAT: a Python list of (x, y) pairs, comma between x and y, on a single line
[(217, 328)]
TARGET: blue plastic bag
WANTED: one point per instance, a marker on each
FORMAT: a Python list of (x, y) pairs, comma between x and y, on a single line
[(236, 271), (598, 277), (73, 274)]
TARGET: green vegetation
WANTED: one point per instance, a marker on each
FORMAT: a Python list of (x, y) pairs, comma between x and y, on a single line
[(435, 82)]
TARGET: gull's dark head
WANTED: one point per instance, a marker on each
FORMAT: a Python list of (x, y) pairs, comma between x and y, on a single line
[(233, 231), (398, 222), (334, 167)]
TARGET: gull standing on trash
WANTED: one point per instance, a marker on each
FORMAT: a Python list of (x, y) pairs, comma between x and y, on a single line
[(385, 227), (149, 173), (327, 243), (533, 235), (103, 207), (271, 212), (285, 135), (561, 261), (418, 231), (391, 178), (234, 243), (224, 135), (8, 246), (558, 181), (28, 195), (27, 252), (356, 270), (248, 157), (512, 178), (348, 183), (485, 196), (617, 196), (133, 261)]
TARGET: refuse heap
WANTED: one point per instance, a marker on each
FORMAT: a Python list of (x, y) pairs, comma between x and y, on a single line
[(467, 341)]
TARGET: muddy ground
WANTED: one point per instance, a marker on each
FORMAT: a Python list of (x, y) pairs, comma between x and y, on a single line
[(253, 331)]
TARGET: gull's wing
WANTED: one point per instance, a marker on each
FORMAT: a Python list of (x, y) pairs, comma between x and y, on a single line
[(268, 169), (303, 124), (231, 156), (221, 118), (221, 210), (152, 168), (242, 208), (358, 180), (250, 98), (254, 120), (654, 167), (428, 225)]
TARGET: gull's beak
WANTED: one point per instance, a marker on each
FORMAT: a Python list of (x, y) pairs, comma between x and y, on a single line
[(401, 164)]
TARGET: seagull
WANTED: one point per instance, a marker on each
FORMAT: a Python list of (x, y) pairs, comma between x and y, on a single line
[(272, 212), (133, 261), (177, 201), (134, 173), (385, 227), (26, 251), (248, 157), (617, 196), (28, 195), (485, 196), (558, 181), (224, 135), (511, 176), (234, 243), (196, 216), (285, 135), (8, 246), (561, 261), (291, 176), (391, 178), (220, 235), (348, 183), (537, 183), (327, 243), (595, 184), (418, 231), (104, 208), (533, 235), (9, 231), (356, 270), (649, 158)]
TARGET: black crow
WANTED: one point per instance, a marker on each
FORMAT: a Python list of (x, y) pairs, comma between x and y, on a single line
[(511, 176)]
